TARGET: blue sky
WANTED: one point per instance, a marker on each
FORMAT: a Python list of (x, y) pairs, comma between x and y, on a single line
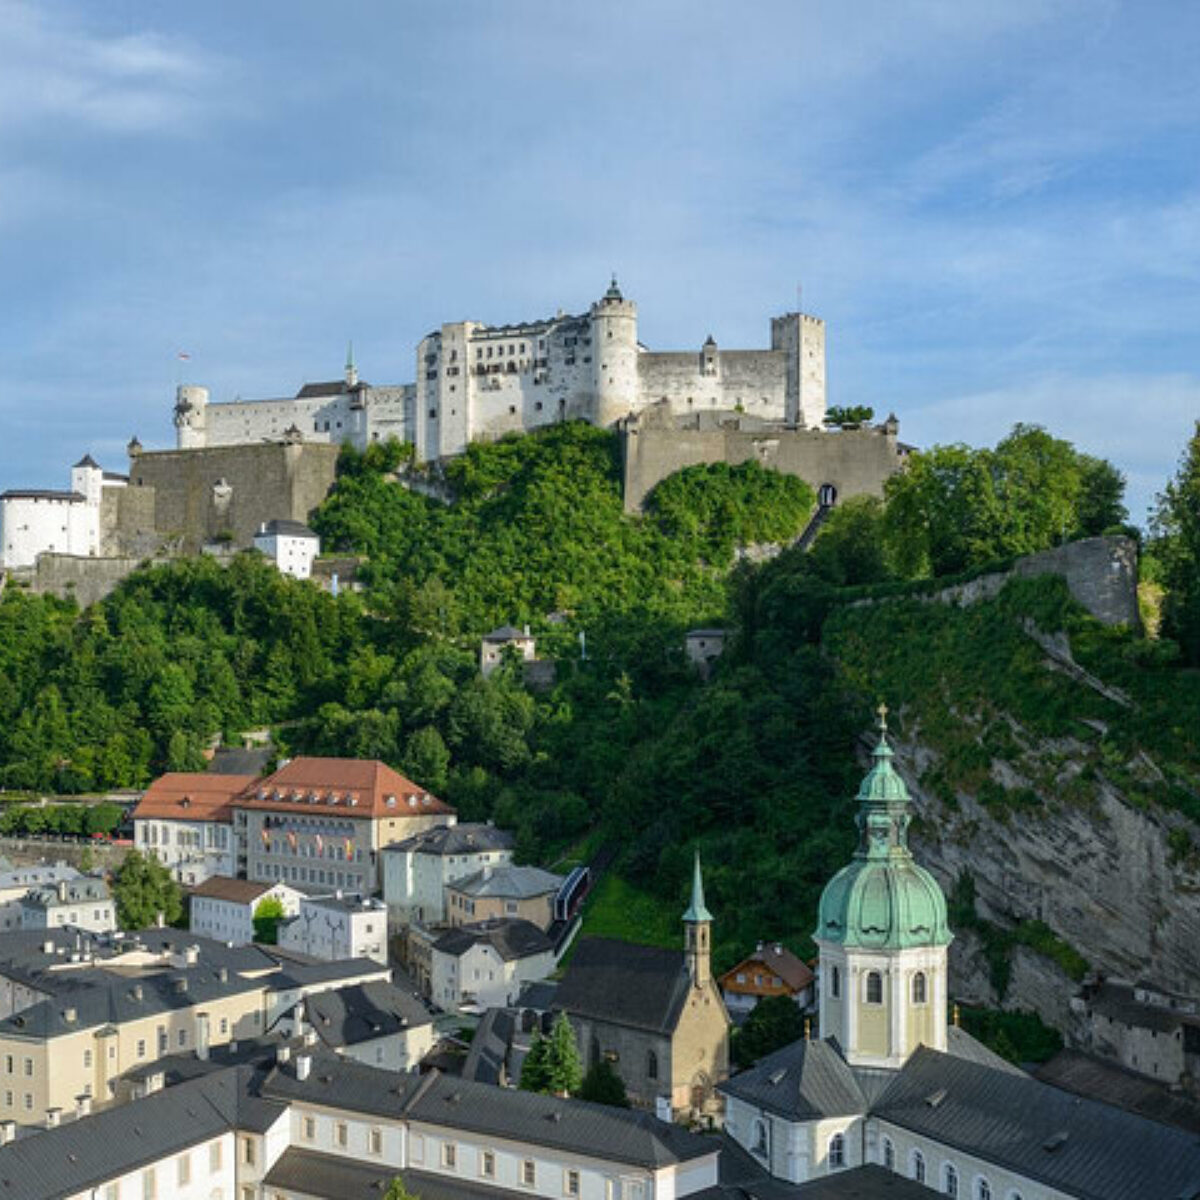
[(995, 207)]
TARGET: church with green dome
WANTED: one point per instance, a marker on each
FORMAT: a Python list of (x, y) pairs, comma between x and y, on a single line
[(882, 933)]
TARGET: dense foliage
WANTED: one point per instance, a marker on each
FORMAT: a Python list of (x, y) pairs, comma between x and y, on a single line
[(1176, 529), (552, 1064), (774, 1022), (145, 892), (954, 507), (602, 1085)]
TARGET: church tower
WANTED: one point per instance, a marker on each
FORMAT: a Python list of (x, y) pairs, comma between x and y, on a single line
[(698, 949), (883, 934)]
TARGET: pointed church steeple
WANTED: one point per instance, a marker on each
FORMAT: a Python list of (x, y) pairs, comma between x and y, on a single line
[(698, 921), (351, 369)]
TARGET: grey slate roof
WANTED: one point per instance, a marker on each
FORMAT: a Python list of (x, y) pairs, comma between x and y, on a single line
[(42, 494), (508, 883), (801, 1082), (640, 986), (1087, 1149), (1101, 1079), (510, 937), (364, 1012), (342, 1083), (506, 633), (329, 1177), (487, 1059), (455, 839), (281, 526), (576, 1126), (85, 889), (83, 1154)]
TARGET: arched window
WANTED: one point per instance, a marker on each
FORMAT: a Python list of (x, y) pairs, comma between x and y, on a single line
[(837, 1151), (920, 988), (874, 987), (651, 1065), (889, 1154), (950, 1180), (983, 1190), (835, 982), (918, 1166), (760, 1139)]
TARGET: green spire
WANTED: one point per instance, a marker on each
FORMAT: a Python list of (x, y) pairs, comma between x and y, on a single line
[(350, 356), (883, 815), (696, 911)]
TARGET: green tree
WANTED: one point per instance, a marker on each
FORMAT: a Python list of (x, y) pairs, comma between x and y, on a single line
[(1176, 530), (87, 859), (774, 1022), (143, 889), (535, 1076), (267, 916), (426, 759), (855, 414), (850, 548), (397, 1191), (603, 1085), (564, 1072)]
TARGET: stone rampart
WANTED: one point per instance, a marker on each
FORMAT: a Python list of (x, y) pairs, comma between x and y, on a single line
[(857, 462), (225, 492), (87, 580), (1101, 573)]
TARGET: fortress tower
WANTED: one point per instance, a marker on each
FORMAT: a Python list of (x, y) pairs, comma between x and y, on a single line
[(883, 934), (802, 339), (615, 357), (191, 412)]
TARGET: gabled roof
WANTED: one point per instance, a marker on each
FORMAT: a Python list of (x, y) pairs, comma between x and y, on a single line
[(363, 1012), (510, 937), (282, 527), (332, 387), (506, 633), (1079, 1146), (191, 796), (801, 1082), (355, 787), (342, 1083), (235, 891), (624, 984), (86, 461), (576, 1126), (84, 1154), (793, 971), (84, 889), (508, 883), (469, 838)]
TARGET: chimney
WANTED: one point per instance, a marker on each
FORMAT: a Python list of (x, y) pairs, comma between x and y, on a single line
[(53, 1117), (303, 1066), (202, 1036), (83, 1106), (160, 919), (8, 1132), (154, 1083), (283, 1054)]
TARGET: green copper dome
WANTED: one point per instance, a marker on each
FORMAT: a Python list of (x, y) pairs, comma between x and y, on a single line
[(883, 900)]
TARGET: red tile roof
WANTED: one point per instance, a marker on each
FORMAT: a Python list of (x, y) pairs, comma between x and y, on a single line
[(355, 787), (191, 796)]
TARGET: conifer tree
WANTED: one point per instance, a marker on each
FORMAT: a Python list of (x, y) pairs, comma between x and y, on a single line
[(564, 1072)]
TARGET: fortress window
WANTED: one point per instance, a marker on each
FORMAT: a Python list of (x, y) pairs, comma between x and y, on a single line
[(874, 987), (538, 406), (512, 409), (433, 414)]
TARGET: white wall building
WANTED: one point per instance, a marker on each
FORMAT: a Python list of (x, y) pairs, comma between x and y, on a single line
[(337, 927), (16, 882), (290, 545), (34, 522), (416, 870), (224, 908), (493, 645), (83, 903), (185, 820), (485, 965)]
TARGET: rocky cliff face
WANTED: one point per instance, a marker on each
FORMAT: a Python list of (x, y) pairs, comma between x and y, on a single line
[(1101, 876)]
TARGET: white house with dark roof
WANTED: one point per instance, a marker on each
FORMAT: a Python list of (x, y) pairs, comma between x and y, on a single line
[(16, 883), (493, 645), (416, 870), (337, 927), (505, 891), (486, 964), (224, 908), (82, 903), (290, 545)]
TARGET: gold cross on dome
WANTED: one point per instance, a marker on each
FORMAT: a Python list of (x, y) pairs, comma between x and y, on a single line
[(882, 710)]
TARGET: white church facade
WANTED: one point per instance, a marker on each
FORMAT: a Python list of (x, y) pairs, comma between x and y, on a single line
[(480, 382)]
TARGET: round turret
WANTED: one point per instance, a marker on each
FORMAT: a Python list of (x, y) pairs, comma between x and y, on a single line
[(191, 405), (614, 356)]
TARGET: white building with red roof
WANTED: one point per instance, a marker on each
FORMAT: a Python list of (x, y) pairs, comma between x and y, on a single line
[(185, 820), (321, 822)]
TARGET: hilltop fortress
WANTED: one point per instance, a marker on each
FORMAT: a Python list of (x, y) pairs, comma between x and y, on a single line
[(238, 464), (479, 382)]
